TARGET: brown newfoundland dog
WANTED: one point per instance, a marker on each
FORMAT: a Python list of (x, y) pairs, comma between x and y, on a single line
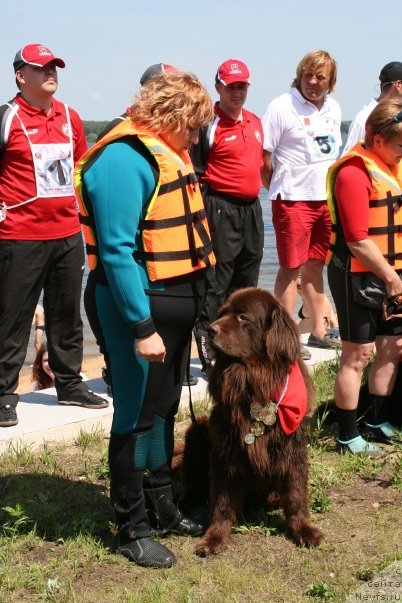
[(253, 441)]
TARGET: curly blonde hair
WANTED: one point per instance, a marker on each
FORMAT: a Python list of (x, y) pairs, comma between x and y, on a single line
[(171, 102), (313, 61), (383, 112)]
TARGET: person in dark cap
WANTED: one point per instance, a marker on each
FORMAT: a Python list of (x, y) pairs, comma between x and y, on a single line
[(148, 74), (154, 70), (390, 88), (40, 234)]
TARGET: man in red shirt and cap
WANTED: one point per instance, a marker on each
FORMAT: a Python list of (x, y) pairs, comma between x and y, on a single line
[(40, 235), (228, 160)]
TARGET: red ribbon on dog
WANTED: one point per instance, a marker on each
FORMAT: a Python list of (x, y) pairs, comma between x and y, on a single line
[(292, 405)]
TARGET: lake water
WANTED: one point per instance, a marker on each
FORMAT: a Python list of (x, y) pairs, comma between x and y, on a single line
[(269, 267)]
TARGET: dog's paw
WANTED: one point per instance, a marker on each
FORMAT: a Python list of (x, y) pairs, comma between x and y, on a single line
[(207, 546), (308, 536)]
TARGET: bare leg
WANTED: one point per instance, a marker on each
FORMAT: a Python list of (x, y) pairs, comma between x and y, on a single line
[(354, 359), (286, 287), (312, 285), (385, 366)]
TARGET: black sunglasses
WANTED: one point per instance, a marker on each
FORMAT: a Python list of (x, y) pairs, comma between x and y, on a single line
[(394, 120)]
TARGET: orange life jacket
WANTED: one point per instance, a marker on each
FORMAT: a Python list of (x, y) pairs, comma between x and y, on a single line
[(385, 213), (174, 230)]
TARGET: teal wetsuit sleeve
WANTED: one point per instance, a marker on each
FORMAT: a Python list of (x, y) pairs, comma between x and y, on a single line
[(118, 183)]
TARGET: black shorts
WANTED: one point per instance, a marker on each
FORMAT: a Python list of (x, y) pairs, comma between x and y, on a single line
[(357, 323)]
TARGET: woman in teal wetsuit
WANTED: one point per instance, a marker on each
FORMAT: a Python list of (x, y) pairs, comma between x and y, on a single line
[(149, 251)]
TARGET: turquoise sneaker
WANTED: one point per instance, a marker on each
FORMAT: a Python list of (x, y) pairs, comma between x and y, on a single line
[(384, 432), (357, 445)]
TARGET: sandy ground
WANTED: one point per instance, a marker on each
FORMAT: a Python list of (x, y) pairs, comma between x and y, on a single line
[(92, 367)]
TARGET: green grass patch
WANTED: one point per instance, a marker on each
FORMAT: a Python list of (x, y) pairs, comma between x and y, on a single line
[(56, 530)]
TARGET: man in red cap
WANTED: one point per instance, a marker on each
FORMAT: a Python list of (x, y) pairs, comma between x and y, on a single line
[(228, 160), (40, 235)]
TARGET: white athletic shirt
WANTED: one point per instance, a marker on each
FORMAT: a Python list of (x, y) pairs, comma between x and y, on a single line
[(304, 141), (357, 129)]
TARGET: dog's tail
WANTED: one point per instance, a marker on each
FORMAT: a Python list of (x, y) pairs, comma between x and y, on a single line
[(195, 464)]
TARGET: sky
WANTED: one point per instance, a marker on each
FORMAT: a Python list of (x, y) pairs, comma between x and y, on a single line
[(108, 45)]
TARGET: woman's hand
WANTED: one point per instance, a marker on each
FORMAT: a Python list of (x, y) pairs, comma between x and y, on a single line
[(151, 348), (370, 255), (394, 285)]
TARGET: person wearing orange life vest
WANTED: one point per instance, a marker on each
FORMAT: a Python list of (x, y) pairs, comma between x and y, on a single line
[(149, 251), (149, 73), (364, 198)]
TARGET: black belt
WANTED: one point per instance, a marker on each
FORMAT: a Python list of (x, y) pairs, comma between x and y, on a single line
[(232, 198)]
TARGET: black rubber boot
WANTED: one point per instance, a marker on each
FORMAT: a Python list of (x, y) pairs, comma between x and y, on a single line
[(164, 515), (133, 538)]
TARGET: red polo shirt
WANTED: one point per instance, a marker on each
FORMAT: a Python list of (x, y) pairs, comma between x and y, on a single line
[(44, 218), (235, 155)]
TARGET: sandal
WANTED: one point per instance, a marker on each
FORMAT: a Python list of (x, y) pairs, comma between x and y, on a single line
[(357, 445), (384, 432)]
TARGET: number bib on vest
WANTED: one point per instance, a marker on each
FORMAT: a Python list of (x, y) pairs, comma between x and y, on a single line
[(53, 165), (320, 139)]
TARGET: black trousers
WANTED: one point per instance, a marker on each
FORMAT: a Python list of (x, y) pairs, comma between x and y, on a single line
[(27, 267), (237, 233)]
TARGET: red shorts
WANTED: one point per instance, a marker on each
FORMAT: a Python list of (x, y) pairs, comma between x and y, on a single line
[(302, 230)]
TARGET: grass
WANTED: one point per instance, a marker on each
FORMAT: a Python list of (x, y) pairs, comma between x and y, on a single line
[(56, 530)]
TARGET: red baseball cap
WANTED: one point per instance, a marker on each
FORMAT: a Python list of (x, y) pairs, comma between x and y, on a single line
[(232, 71), (154, 70), (36, 55)]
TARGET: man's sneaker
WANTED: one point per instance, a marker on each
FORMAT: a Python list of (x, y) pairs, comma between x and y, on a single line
[(357, 446), (192, 380), (305, 353), (86, 399), (328, 342), (8, 416)]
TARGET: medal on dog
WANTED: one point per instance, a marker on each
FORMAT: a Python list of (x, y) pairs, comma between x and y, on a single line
[(261, 415), (268, 414), (255, 410), (257, 428), (249, 438)]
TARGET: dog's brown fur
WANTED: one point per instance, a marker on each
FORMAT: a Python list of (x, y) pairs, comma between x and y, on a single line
[(255, 342)]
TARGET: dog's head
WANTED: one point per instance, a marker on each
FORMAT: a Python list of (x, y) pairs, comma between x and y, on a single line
[(253, 324)]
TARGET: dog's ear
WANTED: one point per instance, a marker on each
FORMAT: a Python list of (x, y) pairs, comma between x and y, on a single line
[(281, 336)]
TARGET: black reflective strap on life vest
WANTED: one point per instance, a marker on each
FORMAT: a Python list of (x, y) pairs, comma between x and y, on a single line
[(85, 220), (91, 249), (169, 187), (165, 256), (171, 222), (396, 201), (393, 203), (189, 223), (199, 253), (192, 221), (206, 249)]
